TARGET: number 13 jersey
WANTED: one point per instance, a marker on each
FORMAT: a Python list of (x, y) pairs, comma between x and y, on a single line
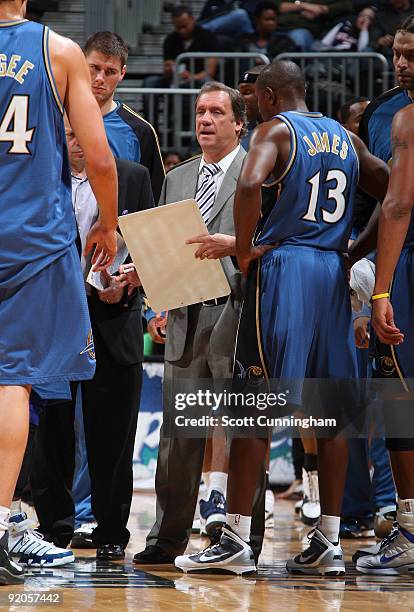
[(37, 223), (316, 191)]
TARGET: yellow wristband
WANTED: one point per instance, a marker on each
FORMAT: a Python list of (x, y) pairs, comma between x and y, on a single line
[(379, 296)]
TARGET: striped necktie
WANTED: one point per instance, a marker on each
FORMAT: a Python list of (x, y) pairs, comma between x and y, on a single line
[(206, 190)]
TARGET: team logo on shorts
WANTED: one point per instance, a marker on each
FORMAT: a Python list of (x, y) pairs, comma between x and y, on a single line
[(252, 373), (90, 347), (387, 366)]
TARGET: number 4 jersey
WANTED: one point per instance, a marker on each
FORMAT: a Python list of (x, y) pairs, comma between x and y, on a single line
[(37, 223), (316, 191)]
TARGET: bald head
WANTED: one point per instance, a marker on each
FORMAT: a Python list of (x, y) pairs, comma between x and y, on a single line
[(280, 87), (282, 76)]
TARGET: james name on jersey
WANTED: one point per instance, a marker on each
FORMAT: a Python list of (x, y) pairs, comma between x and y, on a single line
[(322, 144)]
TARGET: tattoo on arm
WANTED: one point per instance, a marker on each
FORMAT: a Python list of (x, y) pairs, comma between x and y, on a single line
[(397, 143)]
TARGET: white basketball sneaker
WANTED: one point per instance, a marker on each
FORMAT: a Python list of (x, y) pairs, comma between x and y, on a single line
[(230, 555), (321, 558), (30, 547), (395, 556)]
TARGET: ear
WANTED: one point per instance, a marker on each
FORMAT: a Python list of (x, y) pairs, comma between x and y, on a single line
[(271, 96), (123, 72), (239, 127)]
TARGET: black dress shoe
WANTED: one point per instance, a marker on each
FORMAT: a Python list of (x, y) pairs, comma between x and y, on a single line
[(110, 552), (153, 555)]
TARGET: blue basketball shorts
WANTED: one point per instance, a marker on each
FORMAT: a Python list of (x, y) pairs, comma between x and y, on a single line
[(46, 334), (296, 323)]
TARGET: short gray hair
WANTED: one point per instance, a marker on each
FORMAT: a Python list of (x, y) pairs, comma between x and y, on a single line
[(237, 101)]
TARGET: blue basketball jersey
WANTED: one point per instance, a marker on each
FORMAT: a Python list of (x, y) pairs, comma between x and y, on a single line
[(375, 130), (316, 191), (37, 223)]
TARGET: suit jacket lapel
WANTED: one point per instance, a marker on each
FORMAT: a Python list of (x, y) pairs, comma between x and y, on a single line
[(188, 187), (228, 186)]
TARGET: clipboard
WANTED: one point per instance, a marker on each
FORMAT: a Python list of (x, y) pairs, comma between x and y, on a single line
[(170, 274)]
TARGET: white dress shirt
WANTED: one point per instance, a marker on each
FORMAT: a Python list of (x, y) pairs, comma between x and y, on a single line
[(86, 213)]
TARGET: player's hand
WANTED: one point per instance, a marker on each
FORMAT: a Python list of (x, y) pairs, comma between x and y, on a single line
[(255, 252), (114, 290), (213, 246), (383, 322), (361, 332), (105, 246), (156, 328)]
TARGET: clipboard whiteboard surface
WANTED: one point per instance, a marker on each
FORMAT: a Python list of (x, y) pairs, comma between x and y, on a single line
[(170, 274)]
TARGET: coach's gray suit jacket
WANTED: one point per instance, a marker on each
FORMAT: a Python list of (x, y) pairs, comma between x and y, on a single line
[(181, 184)]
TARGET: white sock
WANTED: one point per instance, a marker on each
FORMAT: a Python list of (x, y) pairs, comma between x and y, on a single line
[(4, 520), (240, 524), (217, 482), (329, 525), (16, 507), (405, 514)]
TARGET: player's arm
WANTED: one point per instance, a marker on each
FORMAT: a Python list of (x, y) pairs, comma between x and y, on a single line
[(394, 221), (373, 179), (86, 121), (258, 164)]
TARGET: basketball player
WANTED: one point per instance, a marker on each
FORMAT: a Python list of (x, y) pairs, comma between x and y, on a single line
[(45, 327), (303, 296), (394, 325)]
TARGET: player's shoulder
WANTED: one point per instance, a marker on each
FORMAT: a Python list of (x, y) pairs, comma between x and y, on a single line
[(187, 164), (140, 125), (386, 100), (271, 130), (62, 42), (63, 47)]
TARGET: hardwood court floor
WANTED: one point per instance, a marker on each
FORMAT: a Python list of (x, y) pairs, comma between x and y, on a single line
[(118, 587)]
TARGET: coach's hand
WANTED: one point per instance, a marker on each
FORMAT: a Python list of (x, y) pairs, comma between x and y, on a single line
[(114, 290), (214, 246), (130, 275), (156, 328), (105, 246), (383, 322)]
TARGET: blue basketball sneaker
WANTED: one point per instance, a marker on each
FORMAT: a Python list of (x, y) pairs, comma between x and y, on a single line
[(395, 555), (213, 512), (30, 547)]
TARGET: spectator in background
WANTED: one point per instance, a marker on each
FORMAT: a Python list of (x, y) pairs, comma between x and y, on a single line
[(305, 21), (390, 15), (187, 37), (171, 159), (350, 115), (349, 35), (247, 89), (267, 38), (222, 17)]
